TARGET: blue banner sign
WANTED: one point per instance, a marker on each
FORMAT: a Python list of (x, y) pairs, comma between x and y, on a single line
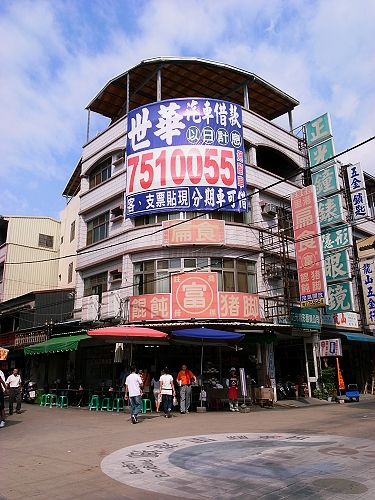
[(185, 155)]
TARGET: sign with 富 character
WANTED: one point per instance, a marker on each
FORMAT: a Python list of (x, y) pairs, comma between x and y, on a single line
[(321, 155), (337, 237), (326, 181), (337, 265), (340, 298), (318, 130), (330, 210)]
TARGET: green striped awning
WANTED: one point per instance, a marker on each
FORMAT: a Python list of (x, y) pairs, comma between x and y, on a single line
[(56, 344)]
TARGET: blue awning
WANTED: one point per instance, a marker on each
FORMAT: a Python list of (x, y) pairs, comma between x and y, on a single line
[(206, 335), (359, 337)]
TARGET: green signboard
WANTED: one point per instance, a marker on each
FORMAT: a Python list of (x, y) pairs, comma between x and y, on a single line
[(318, 130), (337, 237), (326, 181), (321, 154), (330, 210), (337, 265), (340, 298), (302, 318)]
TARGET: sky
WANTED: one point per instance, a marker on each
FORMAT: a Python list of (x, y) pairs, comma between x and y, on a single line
[(56, 55)]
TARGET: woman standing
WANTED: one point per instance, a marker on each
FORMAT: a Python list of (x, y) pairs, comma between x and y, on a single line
[(232, 384), (155, 382), (167, 391)]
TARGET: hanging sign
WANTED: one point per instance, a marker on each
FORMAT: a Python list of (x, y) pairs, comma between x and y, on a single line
[(331, 347), (337, 266), (360, 205), (367, 268), (340, 298), (321, 155), (330, 210), (318, 130), (326, 181), (309, 253), (336, 237), (355, 177)]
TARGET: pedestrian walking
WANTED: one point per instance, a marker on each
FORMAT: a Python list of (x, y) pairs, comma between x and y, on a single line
[(184, 378), (2, 404), (167, 391), (133, 391), (14, 384), (232, 384), (155, 383)]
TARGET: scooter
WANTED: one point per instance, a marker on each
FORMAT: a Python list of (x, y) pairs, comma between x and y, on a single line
[(29, 393)]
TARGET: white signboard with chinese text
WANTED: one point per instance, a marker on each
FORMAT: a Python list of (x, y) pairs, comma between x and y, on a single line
[(331, 347), (360, 205), (341, 320), (367, 268), (355, 177)]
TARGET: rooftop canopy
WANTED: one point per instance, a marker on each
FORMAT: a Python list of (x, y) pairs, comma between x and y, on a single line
[(175, 77)]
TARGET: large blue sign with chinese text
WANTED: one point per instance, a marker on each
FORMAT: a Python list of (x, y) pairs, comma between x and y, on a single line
[(185, 155)]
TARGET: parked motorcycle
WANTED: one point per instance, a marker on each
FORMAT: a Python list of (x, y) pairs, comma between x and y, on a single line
[(29, 393)]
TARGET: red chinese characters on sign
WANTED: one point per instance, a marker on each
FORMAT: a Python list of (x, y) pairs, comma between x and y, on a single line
[(194, 295), (150, 307), (309, 253), (237, 305), (197, 231)]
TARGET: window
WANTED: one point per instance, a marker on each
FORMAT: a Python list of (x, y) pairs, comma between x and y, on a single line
[(72, 230), (97, 229), (70, 272), (45, 241), (233, 275), (95, 285), (100, 173)]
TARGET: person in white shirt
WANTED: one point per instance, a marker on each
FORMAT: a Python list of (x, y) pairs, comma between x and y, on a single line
[(13, 383), (2, 404), (167, 391), (133, 384)]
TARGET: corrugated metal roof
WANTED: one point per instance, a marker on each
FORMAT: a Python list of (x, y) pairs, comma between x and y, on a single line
[(189, 77)]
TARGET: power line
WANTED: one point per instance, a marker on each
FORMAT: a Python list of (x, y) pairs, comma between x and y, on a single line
[(203, 213)]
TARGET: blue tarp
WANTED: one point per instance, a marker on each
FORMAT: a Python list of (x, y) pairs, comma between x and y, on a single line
[(207, 334)]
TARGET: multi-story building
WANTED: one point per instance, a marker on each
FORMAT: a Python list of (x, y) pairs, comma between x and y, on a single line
[(29, 250)]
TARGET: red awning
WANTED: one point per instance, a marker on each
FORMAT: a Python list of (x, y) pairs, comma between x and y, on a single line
[(130, 334)]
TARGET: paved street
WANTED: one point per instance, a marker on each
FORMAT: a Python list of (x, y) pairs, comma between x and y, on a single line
[(302, 449)]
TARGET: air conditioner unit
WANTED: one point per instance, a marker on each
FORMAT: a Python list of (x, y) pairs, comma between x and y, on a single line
[(274, 272), (111, 305), (90, 308), (269, 209)]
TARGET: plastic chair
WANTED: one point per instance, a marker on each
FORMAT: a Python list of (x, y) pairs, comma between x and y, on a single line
[(43, 399), (146, 405), (94, 403), (118, 404), (215, 404), (106, 404), (51, 400), (63, 401)]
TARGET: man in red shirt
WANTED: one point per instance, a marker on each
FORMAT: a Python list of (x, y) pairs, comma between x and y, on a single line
[(184, 379)]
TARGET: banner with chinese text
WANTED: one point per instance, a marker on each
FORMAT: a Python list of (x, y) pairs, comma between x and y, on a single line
[(367, 268), (309, 252), (185, 154)]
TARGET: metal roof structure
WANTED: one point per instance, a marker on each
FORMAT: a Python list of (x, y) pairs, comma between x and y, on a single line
[(165, 78)]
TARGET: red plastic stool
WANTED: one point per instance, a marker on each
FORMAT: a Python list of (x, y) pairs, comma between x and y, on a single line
[(215, 404)]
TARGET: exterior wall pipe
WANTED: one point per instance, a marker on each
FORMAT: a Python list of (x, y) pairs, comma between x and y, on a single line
[(290, 116), (88, 126), (246, 102), (158, 91), (127, 92)]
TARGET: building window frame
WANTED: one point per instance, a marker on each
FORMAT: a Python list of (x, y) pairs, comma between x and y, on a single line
[(100, 173), (97, 228), (45, 240), (234, 275), (70, 272), (72, 230), (95, 284)]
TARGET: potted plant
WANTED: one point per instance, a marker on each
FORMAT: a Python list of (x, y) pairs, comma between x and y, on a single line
[(327, 383)]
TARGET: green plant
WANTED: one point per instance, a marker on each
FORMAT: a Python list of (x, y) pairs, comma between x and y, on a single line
[(327, 381), (318, 394)]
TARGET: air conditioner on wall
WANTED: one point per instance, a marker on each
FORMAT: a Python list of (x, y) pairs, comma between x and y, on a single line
[(269, 209)]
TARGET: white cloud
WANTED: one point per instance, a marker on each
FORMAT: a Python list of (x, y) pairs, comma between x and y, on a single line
[(56, 56)]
